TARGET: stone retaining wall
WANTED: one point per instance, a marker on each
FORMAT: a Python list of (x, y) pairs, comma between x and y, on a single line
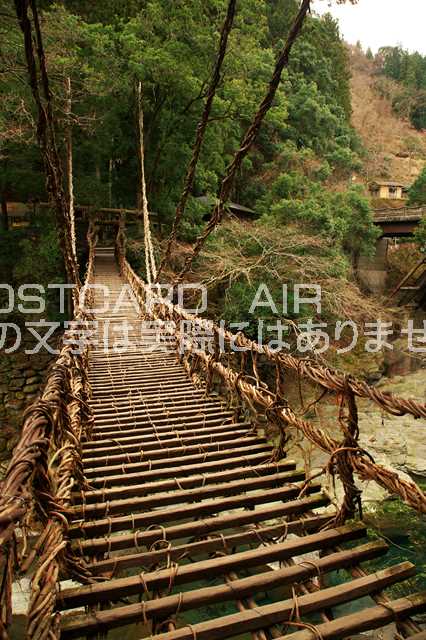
[(21, 379)]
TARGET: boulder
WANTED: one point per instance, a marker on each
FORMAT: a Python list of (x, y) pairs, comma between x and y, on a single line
[(401, 440)]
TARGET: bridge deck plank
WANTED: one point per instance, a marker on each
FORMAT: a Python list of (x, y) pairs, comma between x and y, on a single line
[(181, 492)]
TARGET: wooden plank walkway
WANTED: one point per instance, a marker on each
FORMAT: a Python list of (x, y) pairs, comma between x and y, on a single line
[(187, 518)]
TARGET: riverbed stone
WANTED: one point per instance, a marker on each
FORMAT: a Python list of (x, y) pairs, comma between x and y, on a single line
[(401, 439), (396, 442)]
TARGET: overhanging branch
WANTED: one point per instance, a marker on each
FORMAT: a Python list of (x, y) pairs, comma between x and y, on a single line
[(201, 129)]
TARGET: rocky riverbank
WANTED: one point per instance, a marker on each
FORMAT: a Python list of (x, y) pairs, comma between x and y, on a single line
[(396, 441)]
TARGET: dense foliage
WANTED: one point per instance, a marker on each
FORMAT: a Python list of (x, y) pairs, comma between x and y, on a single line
[(171, 48), (409, 69), (298, 176), (417, 192), (417, 196), (39, 262)]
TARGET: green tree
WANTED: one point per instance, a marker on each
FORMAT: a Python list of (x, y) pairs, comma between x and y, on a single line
[(417, 192), (417, 196), (410, 70), (305, 143), (344, 217)]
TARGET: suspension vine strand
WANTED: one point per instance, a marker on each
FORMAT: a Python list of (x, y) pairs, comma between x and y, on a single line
[(151, 269), (248, 139), (46, 135), (201, 129), (69, 162)]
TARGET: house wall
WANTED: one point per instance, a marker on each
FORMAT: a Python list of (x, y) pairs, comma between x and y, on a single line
[(384, 193)]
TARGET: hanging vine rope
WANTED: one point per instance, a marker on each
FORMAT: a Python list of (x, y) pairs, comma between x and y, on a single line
[(249, 138), (69, 164), (329, 379), (151, 269), (46, 135), (201, 129)]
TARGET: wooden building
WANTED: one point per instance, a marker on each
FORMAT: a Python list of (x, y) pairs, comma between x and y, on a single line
[(388, 190)]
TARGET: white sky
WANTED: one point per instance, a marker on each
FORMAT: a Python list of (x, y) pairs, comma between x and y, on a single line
[(378, 23)]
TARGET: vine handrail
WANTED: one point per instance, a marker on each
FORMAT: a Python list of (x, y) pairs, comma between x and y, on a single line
[(45, 466), (346, 457), (329, 379)]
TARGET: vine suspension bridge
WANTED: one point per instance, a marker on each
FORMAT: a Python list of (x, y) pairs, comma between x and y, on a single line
[(147, 478)]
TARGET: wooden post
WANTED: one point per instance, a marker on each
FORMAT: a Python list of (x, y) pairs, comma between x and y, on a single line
[(4, 213), (110, 167), (69, 162)]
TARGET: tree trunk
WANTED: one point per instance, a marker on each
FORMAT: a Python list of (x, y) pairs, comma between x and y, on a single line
[(40, 89), (4, 214)]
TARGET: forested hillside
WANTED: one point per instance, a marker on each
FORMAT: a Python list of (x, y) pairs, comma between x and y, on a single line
[(409, 69), (172, 52), (298, 178), (394, 148)]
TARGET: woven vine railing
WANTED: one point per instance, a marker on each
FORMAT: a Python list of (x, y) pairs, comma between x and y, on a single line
[(45, 467), (238, 373)]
